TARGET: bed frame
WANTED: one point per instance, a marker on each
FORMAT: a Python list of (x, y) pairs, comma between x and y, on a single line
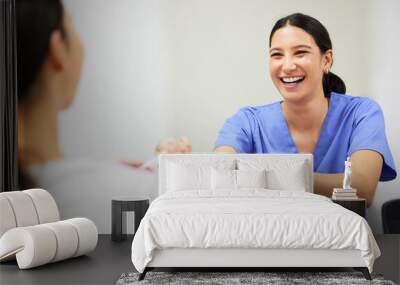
[(241, 259)]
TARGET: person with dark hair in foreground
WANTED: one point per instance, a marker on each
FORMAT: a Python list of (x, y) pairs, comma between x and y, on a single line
[(315, 116), (50, 57)]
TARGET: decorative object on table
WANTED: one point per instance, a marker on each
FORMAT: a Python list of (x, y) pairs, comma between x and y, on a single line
[(347, 174), (31, 231), (391, 217), (121, 205), (242, 278), (358, 205), (347, 192)]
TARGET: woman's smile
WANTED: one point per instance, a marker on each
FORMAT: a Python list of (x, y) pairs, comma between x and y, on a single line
[(291, 82)]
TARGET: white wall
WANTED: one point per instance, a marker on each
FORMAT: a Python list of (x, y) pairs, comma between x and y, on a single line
[(157, 68), (121, 108), (382, 55), (168, 67)]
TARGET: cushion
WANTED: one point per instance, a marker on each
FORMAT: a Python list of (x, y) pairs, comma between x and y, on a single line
[(23, 208), (186, 174), (40, 244), (170, 177), (223, 179), (293, 180), (237, 179), (7, 215), (181, 177), (67, 238), (87, 233), (32, 246), (27, 208), (45, 205), (281, 174), (251, 178)]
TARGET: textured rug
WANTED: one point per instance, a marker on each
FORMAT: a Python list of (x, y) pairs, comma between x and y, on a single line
[(273, 278)]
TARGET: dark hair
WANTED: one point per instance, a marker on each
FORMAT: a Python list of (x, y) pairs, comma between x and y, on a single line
[(36, 20), (330, 82)]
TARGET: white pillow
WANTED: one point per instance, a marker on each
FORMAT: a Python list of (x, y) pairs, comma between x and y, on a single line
[(282, 174), (223, 179), (237, 179), (188, 177), (186, 173), (282, 179), (251, 178)]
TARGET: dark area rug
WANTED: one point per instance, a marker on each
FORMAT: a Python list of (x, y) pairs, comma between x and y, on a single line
[(228, 278)]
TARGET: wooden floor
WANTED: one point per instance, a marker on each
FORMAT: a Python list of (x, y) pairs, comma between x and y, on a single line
[(111, 259)]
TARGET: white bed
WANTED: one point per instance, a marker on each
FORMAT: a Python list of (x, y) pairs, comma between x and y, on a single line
[(201, 219)]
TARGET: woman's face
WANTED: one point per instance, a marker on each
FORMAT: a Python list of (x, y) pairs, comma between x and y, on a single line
[(296, 64)]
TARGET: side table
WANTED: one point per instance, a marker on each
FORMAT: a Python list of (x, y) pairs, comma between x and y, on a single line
[(119, 206), (358, 205)]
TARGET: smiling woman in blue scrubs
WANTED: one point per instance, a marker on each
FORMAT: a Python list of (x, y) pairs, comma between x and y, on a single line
[(315, 115)]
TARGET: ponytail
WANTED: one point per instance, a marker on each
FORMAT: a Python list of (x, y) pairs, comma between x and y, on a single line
[(333, 83)]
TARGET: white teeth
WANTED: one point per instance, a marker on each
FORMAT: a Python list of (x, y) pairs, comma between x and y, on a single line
[(291, 79)]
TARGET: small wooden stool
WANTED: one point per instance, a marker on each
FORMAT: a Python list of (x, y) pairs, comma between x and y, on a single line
[(119, 206)]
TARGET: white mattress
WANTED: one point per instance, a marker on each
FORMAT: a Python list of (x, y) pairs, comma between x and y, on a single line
[(250, 218)]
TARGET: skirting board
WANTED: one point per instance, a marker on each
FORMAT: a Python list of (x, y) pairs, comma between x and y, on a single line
[(232, 257)]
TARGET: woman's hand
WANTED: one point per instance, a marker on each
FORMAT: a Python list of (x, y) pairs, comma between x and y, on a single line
[(224, 149), (173, 145), (366, 168)]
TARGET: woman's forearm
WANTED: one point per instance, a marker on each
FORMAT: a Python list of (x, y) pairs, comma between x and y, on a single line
[(366, 169), (324, 184)]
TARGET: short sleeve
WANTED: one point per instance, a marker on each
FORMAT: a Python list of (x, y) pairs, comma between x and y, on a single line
[(369, 133), (236, 132)]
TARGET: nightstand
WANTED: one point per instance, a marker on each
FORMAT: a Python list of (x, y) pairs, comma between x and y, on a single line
[(121, 205), (357, 205)]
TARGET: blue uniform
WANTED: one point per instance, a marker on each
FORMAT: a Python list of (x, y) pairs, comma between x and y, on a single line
[(351, 124)]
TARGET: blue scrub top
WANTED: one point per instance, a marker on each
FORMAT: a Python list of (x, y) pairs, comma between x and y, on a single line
[(351, 124)]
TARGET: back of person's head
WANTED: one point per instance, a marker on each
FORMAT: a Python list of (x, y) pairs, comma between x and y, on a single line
[(331, 82), (36, 20)]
